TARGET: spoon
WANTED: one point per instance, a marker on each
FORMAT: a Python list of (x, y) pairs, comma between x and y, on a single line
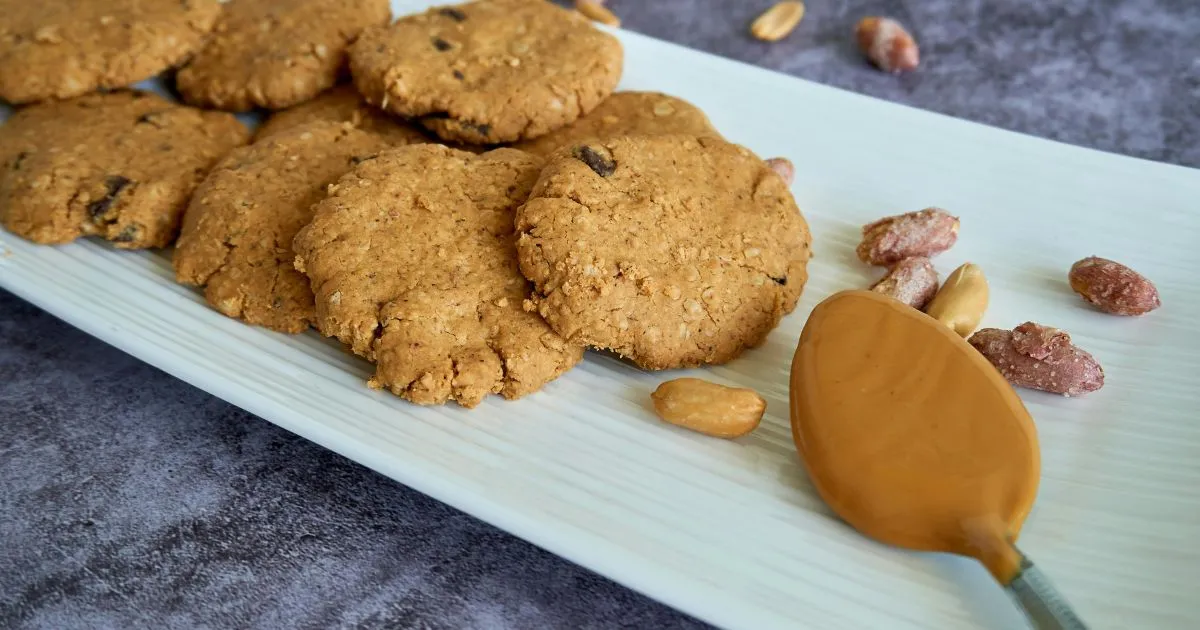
[(915, 440)]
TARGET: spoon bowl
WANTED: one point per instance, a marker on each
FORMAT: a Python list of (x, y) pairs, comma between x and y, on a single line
[(909, 434)]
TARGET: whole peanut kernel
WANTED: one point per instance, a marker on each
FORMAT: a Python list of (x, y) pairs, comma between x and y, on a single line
[(709, 408), (912, 281), (922, 233), (1113, 287), (887, 44)]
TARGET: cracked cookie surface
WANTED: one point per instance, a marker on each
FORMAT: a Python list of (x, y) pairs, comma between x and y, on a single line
[(672, 250), (342, 104), (237, 233), (627, 114), (490, 71), (276, 53), (121, 166), (413, 263), (62, 49)]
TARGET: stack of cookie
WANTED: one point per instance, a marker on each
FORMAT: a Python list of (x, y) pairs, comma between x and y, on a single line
[(386, 212)]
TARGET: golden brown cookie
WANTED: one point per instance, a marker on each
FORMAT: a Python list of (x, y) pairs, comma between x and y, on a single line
[(627, 114), (342, 104), (62, 49), (413, 263), (120, 166), (488, 72), (276, 53), (237, 234), (672, 250)]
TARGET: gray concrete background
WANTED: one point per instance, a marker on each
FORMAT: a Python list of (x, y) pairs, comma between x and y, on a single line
[(129, 499)]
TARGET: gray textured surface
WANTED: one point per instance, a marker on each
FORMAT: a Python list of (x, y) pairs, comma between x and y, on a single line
[(129, 499)]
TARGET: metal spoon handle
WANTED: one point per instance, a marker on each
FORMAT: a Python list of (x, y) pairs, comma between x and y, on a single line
[(1043, 604)]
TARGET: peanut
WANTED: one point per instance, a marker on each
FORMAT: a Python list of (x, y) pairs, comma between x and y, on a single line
[(913, 281), (784, 167), (595, 11), (777, 22), (922, 233), (1039, 357), (1113, 287), (709, 408), (887, 44), (961, 301)]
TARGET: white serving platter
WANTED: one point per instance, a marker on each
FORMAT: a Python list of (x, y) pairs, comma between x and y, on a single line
[(732, 532)]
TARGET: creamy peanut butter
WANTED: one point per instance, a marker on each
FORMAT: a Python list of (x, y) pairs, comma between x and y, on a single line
[(909, 434)]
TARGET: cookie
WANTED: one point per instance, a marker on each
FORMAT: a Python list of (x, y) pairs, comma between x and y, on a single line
[(342, 104), (121, 166), (58, 49), (413, 262), (237, 233), (488, 72), (672, 250), (276, 53), (627, 114)]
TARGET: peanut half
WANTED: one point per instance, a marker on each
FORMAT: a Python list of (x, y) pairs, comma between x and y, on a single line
[(913, 281), (962, 300), (596, 11), (922, 233), (1113, 287), (777, 22), (709, 408), (887, 44), (1039, 357)]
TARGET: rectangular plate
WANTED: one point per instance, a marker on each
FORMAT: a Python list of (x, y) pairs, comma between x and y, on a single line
[(732, 532)]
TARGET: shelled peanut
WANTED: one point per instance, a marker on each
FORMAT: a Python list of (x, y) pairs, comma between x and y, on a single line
[(922, 233), (912, 281), (887, 44), (1039, 357), (1112, 287), (1031, 355), (784, 168)]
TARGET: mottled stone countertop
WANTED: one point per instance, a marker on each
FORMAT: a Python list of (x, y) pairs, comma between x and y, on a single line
[(129, 499)]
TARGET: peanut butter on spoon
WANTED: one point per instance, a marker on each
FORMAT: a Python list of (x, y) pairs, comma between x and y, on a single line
[(915, 440)]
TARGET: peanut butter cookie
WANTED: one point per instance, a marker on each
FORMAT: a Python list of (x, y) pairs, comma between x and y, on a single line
[(62, 49), (488, 72), (342, 104), (413, 263), (237, 234), (121, 166), (276, 53), (672, 250), (627, 114)]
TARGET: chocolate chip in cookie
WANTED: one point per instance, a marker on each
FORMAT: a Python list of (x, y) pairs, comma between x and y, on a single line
[(596, 160)]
